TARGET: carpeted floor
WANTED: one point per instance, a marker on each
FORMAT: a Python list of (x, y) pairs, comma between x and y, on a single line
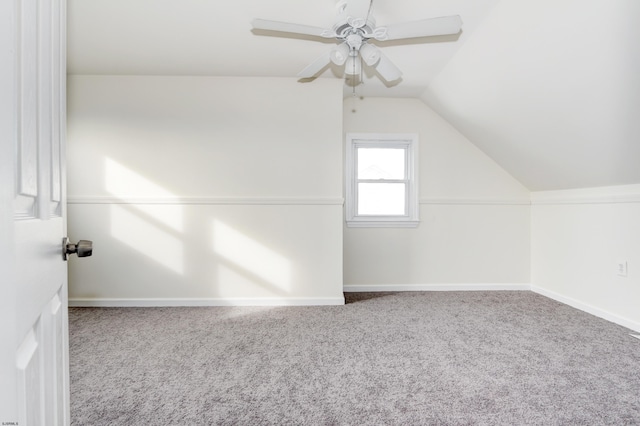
[(429, 358)]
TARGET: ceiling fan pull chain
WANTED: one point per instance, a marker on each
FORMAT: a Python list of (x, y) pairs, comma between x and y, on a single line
[(353, 73)]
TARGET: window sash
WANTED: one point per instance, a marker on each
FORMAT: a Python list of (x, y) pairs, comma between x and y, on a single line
[(404, 192), (359, 148), (405, 142)]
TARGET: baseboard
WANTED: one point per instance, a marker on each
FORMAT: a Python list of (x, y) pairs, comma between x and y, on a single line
[(601, 313), (231, 301), (358, 288), (350, 288)]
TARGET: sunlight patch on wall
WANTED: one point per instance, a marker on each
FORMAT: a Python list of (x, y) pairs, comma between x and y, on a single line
[(233, 283), (256, 262), (147, 238), (124, 183)]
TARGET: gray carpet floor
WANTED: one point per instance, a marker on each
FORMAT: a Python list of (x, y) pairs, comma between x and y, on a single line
[(429, 358)]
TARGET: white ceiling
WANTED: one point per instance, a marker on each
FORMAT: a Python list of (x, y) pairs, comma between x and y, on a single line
[(550, 89), (211, 37)]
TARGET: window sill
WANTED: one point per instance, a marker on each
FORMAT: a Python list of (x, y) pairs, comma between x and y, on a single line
[(382, 224)]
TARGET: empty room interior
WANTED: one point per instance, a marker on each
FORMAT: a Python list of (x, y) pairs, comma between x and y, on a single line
[(217, 162)]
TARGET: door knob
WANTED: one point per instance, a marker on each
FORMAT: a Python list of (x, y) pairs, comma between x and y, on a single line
[(82, 248)]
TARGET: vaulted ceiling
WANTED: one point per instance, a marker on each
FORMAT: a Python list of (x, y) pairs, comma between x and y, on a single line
[(211, 37), (550, 89)]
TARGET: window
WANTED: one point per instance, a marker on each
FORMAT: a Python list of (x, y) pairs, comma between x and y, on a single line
[(381, 179)]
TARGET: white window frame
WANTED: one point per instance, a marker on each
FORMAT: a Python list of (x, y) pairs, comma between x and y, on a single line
[(407, 141)]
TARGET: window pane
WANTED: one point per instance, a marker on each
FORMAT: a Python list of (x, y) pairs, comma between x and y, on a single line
[(381, 199), (381, 163)]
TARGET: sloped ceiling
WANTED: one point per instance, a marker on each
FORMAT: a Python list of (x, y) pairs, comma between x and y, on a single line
[(550, 89), (214, 37)]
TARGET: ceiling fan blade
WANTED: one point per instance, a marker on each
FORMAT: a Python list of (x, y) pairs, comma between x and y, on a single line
[(387, 69), (286, 27), (316, 66), (424, 28)]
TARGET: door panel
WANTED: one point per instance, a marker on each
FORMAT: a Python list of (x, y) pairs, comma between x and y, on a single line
[(28, 364), (27, 109), (34, 366), (40, 361)]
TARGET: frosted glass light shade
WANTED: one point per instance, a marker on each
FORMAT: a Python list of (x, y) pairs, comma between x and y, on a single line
[(340, 54), (370, 54), (352, 66)]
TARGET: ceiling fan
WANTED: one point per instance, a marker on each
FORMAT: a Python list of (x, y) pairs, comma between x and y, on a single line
[(355, 31)]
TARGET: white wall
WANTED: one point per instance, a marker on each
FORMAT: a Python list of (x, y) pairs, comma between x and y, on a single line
[(578, 237), (474, 230), (205, 189), (202, 190)]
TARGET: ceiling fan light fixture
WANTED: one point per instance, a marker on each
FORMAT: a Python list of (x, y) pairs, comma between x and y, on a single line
[(370, 54), (339, 54), (353, 29), (353, 66)]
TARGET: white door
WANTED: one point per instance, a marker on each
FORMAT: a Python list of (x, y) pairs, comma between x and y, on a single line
[(34, 389)]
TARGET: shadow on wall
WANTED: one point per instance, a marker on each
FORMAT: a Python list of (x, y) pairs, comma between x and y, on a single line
[(153, 222)]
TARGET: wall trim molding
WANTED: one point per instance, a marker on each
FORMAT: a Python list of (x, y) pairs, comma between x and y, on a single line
[(267, 201), (590, 309), (359, 288), (476, 201), (602, 195), (226, 301), (602, 199), (212, 200)]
